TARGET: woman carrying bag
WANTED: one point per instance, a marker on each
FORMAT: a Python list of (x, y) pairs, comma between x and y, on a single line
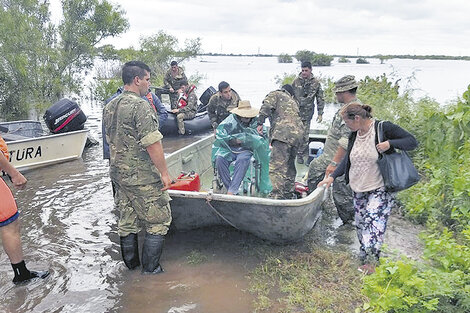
[(372, 201)]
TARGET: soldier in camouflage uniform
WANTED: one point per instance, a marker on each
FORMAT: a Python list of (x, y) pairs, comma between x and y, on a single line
[(221, 104), (186, 111), (307, 89), (282, 109), (174, 80), (334, 150), (138, 170)]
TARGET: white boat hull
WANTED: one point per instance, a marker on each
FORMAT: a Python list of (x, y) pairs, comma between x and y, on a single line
[(27, 154)]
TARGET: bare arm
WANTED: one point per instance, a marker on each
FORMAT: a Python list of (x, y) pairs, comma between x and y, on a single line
[(155, 151), (18, 180), (339, 155)]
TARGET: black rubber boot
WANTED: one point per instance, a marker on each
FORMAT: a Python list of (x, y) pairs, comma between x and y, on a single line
[(151, 252), (23, 275), (130, 250)]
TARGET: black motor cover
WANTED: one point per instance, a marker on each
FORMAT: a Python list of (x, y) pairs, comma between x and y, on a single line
[(207, 95), (64, 116)]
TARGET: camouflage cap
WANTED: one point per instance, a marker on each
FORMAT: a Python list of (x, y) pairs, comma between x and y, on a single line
[(345, 83)]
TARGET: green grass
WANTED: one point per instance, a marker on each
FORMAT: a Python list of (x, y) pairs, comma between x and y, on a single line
[(316, 281)]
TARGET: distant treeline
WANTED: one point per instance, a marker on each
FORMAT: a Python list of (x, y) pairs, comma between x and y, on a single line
[(377, 56)]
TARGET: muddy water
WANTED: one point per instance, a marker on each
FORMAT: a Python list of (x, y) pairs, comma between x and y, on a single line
[(69, 227)]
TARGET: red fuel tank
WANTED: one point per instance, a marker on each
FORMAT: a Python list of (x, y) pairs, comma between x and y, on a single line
[(187, 182)]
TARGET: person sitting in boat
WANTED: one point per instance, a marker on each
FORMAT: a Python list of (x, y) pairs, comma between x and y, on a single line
[(221, 103), (173, 81), (156, 104), (187, 106), (237, 140)]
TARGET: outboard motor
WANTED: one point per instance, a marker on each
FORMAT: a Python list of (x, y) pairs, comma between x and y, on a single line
[(207, 94), (64, 116), (205, 97)]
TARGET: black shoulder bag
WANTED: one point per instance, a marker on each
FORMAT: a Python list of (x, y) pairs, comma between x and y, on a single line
[(397, 169)]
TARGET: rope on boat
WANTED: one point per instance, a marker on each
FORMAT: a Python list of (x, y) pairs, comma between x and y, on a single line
[(208, 201)]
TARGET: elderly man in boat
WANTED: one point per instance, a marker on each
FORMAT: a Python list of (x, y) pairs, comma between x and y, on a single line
[(237, 141)]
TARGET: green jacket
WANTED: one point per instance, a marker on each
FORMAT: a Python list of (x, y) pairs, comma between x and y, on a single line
[(232, 128)]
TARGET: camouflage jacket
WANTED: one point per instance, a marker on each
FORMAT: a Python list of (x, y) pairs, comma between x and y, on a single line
[(283, 113), (218, 108), (306, 91), (177, 81), (338, 135), (191, 107), (131, 126)]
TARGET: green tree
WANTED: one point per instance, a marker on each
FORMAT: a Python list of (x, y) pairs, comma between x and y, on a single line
[(157, 51), (284, 58), (362, 61), (86, 24), (321, 60), (41, 62), (304, 55), (160, 49), (25, 42)]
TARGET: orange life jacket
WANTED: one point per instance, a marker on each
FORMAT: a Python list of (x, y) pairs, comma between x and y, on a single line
[(8, 207), (4, 148), (150, 99)]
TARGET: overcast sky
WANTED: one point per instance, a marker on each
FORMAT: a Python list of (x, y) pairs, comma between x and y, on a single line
[(349, 27)]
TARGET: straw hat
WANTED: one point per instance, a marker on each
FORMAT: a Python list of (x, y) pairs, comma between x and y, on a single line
[(345, 83), (244, 109)]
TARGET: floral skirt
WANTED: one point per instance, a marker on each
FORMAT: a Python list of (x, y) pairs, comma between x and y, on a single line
[(372, 209)]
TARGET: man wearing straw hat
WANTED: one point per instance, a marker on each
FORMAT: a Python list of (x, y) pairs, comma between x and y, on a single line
[(237, 140), (335, 149)]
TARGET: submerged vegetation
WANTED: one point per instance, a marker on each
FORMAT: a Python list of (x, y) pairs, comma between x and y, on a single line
[(362, 61), (284, 58), (317, 59), (40, 61), (157, 51), (440, 281)]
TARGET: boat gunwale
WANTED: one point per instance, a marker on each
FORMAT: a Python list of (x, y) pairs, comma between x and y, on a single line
[(48, 136), (247, 199)]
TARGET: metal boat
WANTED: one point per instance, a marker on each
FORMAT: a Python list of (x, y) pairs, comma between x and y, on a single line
[(30, 148), (279, 221)]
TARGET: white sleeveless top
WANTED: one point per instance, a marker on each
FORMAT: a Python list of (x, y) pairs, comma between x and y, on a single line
[(364, 173)]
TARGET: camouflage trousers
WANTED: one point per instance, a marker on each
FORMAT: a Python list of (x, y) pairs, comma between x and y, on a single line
[(282, 169), (143, 205), (342, 193), (180, 118), (303, 146)]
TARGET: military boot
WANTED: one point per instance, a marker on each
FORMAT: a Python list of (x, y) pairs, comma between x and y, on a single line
[(130, 250), (151, 252)]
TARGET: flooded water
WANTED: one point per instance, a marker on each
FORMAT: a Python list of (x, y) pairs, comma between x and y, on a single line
[(69, 227)]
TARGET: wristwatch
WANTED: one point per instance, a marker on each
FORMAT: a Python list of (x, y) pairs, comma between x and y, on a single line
[(333, 163)]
